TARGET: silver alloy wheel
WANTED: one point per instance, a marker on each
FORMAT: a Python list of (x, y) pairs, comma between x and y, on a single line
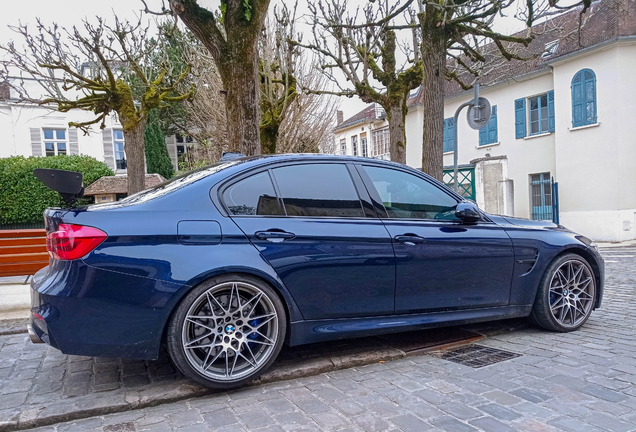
[(572, 290), (230, 331)]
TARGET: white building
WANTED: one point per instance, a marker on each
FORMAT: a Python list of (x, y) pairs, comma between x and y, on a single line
[(568, 115), (31, 130)]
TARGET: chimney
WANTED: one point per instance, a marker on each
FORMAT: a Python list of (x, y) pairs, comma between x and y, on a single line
[(5, 91), (340, 116)]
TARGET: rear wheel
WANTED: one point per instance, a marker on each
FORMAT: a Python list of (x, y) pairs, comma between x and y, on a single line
[(566, 294), (227, 331)]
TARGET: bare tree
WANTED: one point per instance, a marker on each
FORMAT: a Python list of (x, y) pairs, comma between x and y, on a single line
[(278, 75), (461, 30), (310, 119), (231, 37), (364, 51), (97, 68)]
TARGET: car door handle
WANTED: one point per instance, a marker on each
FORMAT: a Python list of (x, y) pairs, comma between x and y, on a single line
[(274, 236), (409, 239)]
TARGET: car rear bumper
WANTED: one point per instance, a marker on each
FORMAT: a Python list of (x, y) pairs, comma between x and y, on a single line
[(85, 311)]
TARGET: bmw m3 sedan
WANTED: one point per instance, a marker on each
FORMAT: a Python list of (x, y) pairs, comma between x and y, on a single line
[(225, 264)]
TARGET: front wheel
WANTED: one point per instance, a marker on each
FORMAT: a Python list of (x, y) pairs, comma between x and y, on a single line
[(227, 331), (566, 294)]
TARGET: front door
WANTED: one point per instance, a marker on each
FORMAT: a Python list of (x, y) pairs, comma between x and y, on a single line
[(335, 257), (442, 263)]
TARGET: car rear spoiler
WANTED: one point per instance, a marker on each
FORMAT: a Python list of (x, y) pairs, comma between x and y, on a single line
[(67, 183)]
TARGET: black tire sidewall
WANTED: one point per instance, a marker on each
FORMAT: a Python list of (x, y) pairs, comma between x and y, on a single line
[(175, 325)]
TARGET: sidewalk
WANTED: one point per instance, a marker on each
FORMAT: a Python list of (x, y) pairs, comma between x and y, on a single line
[(15, 301)]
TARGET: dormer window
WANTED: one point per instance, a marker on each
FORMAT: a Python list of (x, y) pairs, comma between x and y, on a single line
[(550, 48)]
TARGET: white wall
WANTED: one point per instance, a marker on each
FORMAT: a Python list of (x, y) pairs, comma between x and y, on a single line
[(595, 165)]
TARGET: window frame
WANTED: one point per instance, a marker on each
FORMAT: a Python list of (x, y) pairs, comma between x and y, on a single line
[(584, 102), (379, 205), (343, 146), (380, 140), (55, 141), (216, 192), (354, 145), (123, 150), (540, 119)]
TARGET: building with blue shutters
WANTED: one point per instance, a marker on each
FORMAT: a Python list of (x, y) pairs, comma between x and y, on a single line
[(568, 116)]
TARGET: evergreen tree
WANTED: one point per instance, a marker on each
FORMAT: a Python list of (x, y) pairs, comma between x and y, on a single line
[(157, 157)]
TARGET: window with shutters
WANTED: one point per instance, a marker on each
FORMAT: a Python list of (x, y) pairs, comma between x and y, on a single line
[(584, 98), (118, 144), (55, 142), (449, 133), (380, 147), (540, 115), (488, 134), (354, 144)]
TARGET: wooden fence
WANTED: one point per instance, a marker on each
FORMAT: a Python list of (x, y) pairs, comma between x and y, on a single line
[(22, 252)]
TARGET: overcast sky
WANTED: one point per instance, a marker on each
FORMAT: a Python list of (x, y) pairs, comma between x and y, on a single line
[(67, 13)]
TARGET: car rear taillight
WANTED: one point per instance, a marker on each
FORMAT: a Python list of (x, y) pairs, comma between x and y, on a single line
[(72, 241)]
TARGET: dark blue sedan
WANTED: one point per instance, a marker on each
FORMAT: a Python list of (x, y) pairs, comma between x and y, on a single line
[(225, 264)]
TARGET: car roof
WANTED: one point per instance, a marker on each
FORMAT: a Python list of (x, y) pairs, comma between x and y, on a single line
[(271, 158)]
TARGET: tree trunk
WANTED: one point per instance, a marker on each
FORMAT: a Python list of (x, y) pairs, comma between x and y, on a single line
[(269, 137), (433, 51), (236, 56), (135, 157), (397, 133), (239, 74)]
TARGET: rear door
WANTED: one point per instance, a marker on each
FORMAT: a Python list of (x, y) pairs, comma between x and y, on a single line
[(315, 225), (442, 263)]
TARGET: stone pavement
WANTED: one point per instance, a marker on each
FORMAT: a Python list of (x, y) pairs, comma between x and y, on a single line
[(581, 381)]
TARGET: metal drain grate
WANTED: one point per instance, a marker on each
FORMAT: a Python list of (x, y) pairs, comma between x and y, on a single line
[(476, 355)]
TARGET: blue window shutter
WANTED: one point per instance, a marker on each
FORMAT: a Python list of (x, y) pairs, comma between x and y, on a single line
[(577, 100), (551, 119), (520, 118), (483, 135), (492, 126), (449, 130)]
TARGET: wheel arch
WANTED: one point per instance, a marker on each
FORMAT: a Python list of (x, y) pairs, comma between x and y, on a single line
[(291, 309), (596, 269)]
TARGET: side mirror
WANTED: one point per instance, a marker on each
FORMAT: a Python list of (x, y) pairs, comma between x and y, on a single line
[(467, 211)]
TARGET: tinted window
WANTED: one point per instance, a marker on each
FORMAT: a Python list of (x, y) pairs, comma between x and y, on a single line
[(318, 190), (253, 196), (407, 196)]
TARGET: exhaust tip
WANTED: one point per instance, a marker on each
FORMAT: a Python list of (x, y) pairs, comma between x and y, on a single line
[(33, 336)]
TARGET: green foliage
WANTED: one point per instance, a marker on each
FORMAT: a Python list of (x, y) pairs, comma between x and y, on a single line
[(23, 198), (157, 157), (248, 9)]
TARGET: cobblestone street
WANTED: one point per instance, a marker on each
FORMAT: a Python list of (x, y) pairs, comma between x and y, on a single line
[(581, 381)]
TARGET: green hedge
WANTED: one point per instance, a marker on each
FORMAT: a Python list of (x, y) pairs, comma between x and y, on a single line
[(23, 198)]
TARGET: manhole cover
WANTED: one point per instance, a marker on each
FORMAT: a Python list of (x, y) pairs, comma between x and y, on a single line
[(476, 355)]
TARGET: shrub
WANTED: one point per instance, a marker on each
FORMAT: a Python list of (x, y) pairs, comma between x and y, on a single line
[(23, 198), (157, 157)]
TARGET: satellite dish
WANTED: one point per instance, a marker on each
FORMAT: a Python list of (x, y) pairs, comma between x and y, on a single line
[(479, 116)]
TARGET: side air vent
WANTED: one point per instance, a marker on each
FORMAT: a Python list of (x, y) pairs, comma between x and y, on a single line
[(528, 263)]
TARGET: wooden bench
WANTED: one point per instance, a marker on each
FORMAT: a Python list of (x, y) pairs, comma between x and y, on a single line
[(22, 252)]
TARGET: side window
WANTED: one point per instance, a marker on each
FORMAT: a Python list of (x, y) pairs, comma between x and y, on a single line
[(253, 196), (406, 196), (318, 190)]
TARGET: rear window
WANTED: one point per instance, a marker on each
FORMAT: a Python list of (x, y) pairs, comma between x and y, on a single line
[(253, 196), (318, 190)]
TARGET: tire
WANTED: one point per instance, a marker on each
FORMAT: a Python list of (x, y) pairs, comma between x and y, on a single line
[(566, 294), (227, 331)]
